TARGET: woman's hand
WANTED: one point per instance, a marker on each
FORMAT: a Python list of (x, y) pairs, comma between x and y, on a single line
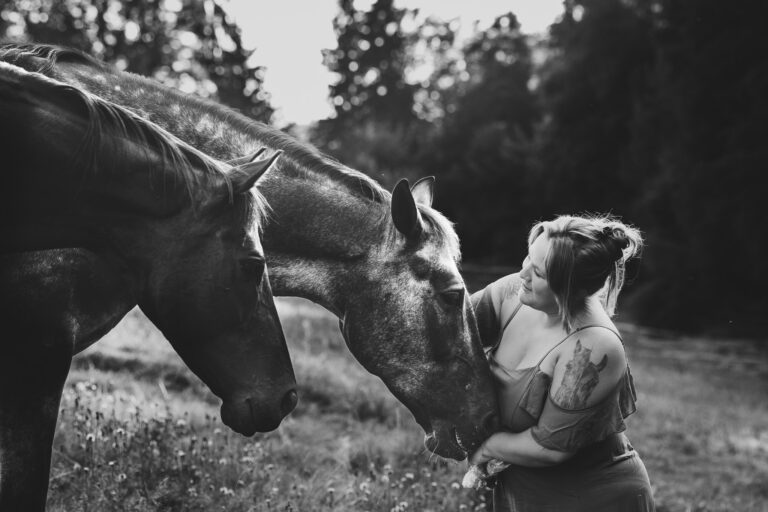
[(480, 456)]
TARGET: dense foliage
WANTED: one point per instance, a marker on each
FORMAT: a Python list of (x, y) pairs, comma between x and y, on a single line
[(189, 44), (648, 110)]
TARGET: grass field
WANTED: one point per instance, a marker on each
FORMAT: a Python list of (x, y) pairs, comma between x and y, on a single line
[(138, 432)]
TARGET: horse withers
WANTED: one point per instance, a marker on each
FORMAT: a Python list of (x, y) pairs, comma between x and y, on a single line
[(385, 264), (100, 211)]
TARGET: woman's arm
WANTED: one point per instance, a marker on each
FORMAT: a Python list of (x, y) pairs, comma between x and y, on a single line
[(487, 306), (519, 449), (585, 374)]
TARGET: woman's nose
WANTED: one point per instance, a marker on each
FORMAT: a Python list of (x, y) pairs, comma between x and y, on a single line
[(526, 266)]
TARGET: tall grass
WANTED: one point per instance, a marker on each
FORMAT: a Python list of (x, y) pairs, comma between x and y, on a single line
[(138, 432)]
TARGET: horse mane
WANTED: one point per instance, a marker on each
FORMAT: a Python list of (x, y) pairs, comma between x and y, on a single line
[(103, 117), (307, 160)]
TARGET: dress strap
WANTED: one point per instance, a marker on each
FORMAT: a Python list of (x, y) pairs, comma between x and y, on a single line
[(517, 308), (571, 334), (492, 349)]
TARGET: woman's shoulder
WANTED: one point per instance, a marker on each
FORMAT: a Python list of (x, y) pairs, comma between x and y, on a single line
[(509, 285), (589, 365), (598, 342)]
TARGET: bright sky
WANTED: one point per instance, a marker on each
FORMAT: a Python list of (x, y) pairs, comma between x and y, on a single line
[(289, 34)]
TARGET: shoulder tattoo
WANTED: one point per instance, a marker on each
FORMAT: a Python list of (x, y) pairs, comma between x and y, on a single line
[(580, 379)]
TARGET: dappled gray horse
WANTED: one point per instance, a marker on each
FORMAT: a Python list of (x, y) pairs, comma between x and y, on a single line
[(100, 211), (385, 264)]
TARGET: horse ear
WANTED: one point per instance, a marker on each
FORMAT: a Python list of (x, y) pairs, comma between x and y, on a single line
[(245, 176), (424, 190), (405, 215), (237, 162)]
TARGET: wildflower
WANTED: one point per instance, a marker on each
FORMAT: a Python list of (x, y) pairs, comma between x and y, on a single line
[(455, 485), (384, 479), (181, 422), (180, 453), (223, 461), (364, 487), (122, 477), (226, 491), (409, 476), (89, 438)]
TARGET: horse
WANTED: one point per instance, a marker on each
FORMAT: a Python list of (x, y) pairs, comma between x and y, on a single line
[(101, 211), (387, 265)]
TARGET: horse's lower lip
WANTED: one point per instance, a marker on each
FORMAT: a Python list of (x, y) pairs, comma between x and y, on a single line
[(451, 447)]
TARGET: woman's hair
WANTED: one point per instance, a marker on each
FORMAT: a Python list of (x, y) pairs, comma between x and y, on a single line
[(586, 254)]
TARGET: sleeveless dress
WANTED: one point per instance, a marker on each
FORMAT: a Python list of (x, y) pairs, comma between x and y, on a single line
[(604, 475)]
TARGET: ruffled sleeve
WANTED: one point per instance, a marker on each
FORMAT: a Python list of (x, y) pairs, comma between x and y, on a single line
[(487, 304), (569, 430), (487, 319)]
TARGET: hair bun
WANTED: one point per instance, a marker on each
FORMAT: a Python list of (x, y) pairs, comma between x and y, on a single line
[(616, 240)]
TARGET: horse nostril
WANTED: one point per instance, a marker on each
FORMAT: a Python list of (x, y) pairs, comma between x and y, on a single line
[(289, 402)]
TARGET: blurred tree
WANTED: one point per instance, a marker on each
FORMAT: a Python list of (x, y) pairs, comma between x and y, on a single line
[(704, 207), (481, 156), (374, 127), (189, 44), (600, 55)]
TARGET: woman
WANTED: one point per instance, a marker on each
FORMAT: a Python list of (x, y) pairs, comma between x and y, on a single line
[(562, 377)]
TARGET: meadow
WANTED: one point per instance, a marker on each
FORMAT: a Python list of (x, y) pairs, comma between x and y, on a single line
[(138, 431)]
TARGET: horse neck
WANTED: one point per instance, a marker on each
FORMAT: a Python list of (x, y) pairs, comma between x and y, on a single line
[(320, 238), (102, 203), (206, 126), (318, 225)]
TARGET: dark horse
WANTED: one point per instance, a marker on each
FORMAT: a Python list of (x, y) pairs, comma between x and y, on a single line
[(386, 265), (101, 211)]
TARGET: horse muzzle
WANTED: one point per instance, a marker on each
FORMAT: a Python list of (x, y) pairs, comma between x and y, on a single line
[(457, 442), (249, 416)]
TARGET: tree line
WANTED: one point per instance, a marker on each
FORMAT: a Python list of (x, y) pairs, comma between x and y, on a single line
[(652, 111)]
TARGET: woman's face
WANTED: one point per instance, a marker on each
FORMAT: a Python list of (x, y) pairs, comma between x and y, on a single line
[(535, 291)]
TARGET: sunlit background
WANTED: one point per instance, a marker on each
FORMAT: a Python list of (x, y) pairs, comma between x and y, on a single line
[(287, 37)]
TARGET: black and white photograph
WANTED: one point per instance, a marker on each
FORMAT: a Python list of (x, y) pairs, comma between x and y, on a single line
[(383, 256)]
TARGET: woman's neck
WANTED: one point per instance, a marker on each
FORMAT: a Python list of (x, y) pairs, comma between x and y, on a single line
[(592, 313)]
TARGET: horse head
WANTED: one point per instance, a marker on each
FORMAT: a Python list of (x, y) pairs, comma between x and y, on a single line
[(209, 293), (414, 327), (182, 226)]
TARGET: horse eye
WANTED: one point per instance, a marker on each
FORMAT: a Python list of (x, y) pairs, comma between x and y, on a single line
[(453, 297), (252, 267)]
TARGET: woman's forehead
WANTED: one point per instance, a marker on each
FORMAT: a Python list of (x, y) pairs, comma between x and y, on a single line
[(538, 250)]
